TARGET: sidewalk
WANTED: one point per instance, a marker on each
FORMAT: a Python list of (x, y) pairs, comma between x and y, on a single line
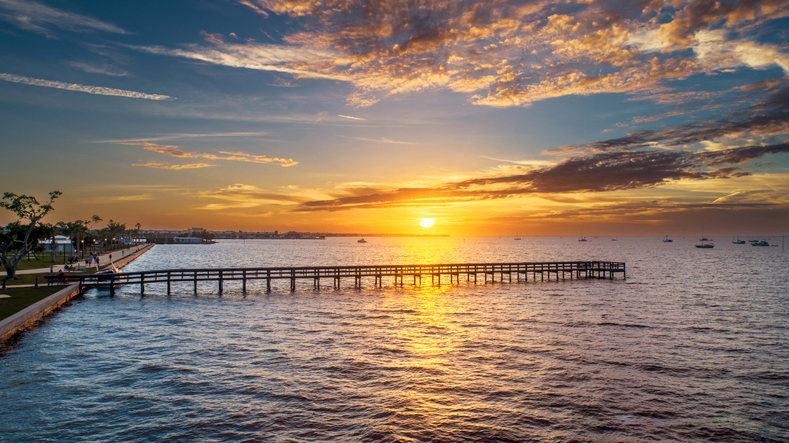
[(104, 259)]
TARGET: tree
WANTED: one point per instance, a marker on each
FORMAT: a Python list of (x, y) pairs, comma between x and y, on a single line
[(112, 230), (48, 230), (16, 245)]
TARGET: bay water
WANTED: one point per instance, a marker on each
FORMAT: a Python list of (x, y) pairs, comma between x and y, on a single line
[(692, 346)]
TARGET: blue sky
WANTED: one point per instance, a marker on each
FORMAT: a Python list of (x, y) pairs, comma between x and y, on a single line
[(626, 118)]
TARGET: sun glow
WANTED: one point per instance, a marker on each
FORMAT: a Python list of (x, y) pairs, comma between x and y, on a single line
[(426, 222)]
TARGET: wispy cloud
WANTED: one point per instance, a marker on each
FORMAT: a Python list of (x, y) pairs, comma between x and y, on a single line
[(349, 117), (522, 162), (378, 140), (120, 199), (223, 155), (243, 196), (37, 17), (257, 56), (158, 165), (97, 90), (99, 69), (765, 117), (186, 135)]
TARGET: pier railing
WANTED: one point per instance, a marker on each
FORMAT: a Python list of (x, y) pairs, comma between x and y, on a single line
[(537, 271)]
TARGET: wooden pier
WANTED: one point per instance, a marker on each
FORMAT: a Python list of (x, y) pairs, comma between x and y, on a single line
[(336, 274)]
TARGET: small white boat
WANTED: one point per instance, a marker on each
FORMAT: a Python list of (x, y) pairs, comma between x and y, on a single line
[(760, 243)]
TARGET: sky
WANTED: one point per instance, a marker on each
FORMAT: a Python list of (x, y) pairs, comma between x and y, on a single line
[(491, 118)]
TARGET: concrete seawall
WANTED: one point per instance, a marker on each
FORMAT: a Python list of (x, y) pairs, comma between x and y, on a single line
[(26, 317)]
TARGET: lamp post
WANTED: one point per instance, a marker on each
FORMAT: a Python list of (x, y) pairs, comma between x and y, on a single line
[(105, 245), (82, 247)]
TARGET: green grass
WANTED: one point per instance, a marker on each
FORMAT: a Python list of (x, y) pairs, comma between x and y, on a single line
[(22, 298), (30, 279), (44, 259)]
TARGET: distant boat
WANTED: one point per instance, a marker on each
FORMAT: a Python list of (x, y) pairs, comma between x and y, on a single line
[(738, 241), (517, 238), (760, 243), (703, 239), (614, 239), (667, 240), (582, 239), (362, 240)]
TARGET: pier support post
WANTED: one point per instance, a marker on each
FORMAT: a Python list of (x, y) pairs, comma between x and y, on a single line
[(168, 283), (221, 280), (268, 280), (244, 281)]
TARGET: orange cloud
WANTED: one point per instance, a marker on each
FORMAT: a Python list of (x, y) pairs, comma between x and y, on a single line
[(512, 55), (225, 155), (158, 165)]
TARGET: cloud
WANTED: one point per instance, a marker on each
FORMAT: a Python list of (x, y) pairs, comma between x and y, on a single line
[(223, 155), (97, 90), (186, 135), (241, 193), (349, 117), (36, 17), (718, 52), (379, 140), (512, 54), (523, 162), (96, 69), (602, 172), (243, 196), (766, 117), (120, 199), (262, 57), (157, 165)]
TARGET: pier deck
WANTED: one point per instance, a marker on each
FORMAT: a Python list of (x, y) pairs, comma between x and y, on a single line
[(541, 271)]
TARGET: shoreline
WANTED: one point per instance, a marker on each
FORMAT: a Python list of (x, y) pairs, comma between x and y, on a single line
[(26, 317)]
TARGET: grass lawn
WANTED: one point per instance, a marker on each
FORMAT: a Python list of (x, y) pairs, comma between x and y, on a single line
[(29, 279), (44, 259), (22, 298)]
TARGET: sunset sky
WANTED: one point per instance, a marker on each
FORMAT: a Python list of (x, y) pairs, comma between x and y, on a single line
[(492, 118)]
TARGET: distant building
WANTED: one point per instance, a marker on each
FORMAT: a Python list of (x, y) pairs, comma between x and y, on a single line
[(188, 240), (62, 244)]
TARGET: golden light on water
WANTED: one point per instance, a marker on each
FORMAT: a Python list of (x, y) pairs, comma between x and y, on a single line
[(426, 222)]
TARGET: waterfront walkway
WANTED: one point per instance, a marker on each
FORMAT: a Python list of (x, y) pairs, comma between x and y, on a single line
[(104, 259), (537, 271)]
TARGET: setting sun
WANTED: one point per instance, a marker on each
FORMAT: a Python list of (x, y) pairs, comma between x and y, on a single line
[(426, 222)]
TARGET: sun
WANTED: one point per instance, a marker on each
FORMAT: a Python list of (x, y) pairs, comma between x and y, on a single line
[(426, 222)]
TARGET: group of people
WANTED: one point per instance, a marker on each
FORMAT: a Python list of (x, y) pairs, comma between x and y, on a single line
[(93, 257)]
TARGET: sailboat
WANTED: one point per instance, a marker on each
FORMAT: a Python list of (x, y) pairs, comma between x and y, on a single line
[(738, 241), (667, 240), (704, 239)]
